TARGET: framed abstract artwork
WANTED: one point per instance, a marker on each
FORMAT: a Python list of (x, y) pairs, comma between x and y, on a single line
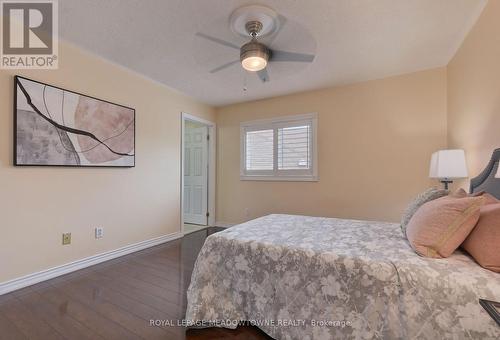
[(57, 127)]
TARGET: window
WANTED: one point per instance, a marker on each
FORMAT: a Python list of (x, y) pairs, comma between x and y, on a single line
[(279, 149)]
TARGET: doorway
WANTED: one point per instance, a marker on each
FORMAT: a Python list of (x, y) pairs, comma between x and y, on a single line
[(198, 173)]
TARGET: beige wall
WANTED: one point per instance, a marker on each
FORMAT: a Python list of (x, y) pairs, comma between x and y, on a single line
[(474, 91), (38, 204), (375, 140)]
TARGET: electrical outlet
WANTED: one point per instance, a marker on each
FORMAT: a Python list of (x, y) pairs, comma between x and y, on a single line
[(99, 232), (66, 239)]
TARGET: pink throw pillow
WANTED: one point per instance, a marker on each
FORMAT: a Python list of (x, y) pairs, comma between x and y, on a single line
[(483, 243), (439, 227)]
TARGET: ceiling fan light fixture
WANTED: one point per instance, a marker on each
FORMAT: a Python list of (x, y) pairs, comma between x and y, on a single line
[(254, 56), (254, 64)]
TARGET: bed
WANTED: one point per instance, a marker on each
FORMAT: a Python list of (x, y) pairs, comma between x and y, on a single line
[(301, 277)]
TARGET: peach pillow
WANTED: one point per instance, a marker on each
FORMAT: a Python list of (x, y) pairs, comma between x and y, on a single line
[(488, 198), (460, 193), (483, 243), (439, 227)]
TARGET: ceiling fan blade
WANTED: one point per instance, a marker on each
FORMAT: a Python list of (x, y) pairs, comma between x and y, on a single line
[(263, 75), (217, 40), (226, 65), (278, 55)]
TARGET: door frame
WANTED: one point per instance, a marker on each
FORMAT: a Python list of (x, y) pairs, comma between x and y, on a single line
[(212, 132)]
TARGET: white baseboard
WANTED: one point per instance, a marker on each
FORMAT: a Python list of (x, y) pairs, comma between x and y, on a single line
[(31, 279)]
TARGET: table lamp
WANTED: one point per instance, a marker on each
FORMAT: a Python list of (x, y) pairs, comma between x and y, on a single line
[(447, 165)]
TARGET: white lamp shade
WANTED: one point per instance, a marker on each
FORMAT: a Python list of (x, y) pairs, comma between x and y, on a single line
[(448, 164)]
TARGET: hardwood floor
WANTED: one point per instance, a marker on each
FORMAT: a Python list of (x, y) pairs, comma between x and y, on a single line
[(115, 300)]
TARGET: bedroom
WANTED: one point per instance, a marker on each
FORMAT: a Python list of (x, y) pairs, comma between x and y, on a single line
[(370, 91)]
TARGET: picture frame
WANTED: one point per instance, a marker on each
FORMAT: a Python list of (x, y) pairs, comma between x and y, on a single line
[(63, 128)]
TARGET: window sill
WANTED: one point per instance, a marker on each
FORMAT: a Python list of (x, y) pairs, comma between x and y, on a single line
[(280, 178)]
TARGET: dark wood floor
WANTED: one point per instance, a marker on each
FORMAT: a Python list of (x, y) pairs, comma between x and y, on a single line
[(114, 300)]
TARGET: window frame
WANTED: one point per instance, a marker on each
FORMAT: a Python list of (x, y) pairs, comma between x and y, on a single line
[(295, 175)]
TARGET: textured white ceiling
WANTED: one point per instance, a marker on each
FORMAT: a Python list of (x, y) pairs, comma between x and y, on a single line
[(354, 40)]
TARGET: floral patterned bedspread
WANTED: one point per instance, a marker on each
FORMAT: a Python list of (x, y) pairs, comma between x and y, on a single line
[(300, 277)]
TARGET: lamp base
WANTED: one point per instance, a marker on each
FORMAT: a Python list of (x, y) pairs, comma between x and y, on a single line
[(446, 183)]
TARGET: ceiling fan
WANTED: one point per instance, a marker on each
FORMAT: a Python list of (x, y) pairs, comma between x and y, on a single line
[(255, 56)]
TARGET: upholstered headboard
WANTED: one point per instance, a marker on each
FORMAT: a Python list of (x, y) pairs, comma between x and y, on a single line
[(486, 181)]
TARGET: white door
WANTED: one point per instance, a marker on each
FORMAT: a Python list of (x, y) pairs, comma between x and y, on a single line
[(196, 175)]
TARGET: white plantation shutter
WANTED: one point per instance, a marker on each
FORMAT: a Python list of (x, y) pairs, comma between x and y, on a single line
[(259, 150), (294, 148), (279, 149)]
